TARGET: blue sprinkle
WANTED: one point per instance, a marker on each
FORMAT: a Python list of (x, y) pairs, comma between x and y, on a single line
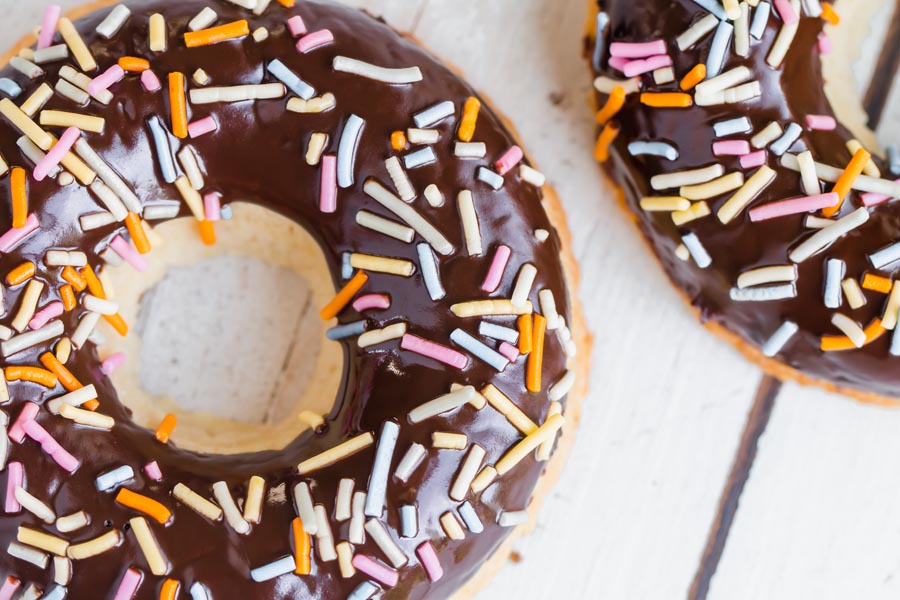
[(433, 114), (198, 591), (498, 332), (718, 51), (429, 266), (282, 566), (760, 20), (409, 521), (781, 337), (470, 518), (10, 87), (363, 591), (57, 593), (895, 342), (479, 349), (290, 79), (227, 212), (346, 156), (732, 126), (663, 149), (163, 150), (346, 267), (783, 144), (600, 43), (490, 177), (715, 7), (419, 158), (340, 332), (893, 154)]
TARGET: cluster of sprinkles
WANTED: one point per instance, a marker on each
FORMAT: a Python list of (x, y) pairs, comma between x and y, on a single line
[(509, 325), (646, 75)]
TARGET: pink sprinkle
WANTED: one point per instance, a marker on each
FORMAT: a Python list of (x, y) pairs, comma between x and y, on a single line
[(440, 353), (296, 26), (821, 122), (639, 67), (375, 570), (52, 159), (112, 362), (17, 430), (873, 199), (128, 254), (509, 351), (150, 81), (48, 28), (9, 588), (825, 46), (129, 585), (314, 40), (731, 148), (201, 126), (498, 267), (51, 446), (328, 184), (793, 206), (429, 559), (787, 12), (153, 471), (13, 236), (14, 479), (510, 159), (618, 62), (102, 82), (212, 206), (372, 302), (51, 311), (754, 159), (637, 50)]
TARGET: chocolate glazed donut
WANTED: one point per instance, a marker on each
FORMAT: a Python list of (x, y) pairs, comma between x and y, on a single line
[(474, 282), (762, 208)]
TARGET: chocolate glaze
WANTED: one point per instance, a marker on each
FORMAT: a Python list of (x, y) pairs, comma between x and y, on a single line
[(257, 155), (789, 94)]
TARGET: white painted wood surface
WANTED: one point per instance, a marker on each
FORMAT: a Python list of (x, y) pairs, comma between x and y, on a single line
[(630, 516)]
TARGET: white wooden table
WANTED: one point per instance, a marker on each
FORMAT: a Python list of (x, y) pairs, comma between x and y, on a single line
[(632, 514)]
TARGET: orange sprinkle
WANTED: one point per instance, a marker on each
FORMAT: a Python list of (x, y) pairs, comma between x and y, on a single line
[(214, 35), (74, 277), (344, 296), (398, 140), (19, 192), (613, 105), (287, 3), (169, 589), (32, 374), (605, 140), (67, 295), (536, 358), (118, 323), (845, 183), (143, 504), (133, 64), (469, 119), (137, 233), (694, 76), (832, 343), (52, 364), (93, 283), (301, 547), (525, 334), (165, 429), (207, 232), (20, 274), (178, 105), (877, 283), (667, 99), (830, 15), (91, 404)]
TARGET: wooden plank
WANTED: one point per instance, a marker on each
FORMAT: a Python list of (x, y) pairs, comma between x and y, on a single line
[(820, 515)]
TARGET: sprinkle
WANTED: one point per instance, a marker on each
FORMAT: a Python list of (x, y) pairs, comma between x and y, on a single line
[(158, 38), (821, 122), (149, 546), (79, 49), (760, 20), (782, 44), (232, 513), (429, 267), (639, 67), (433, 408), (763, 294), (282, 566), (110, 26), (163, 150), (742, 30), (313, 40), (203, 19), (536, 357), (364, 591), (517, 453), (112, 479), (876, 283), (9, 588), (293, 82), (469, 218), (195, 502), (498, 332), (469, 119), (826, 236), (383, 540), (324, 536), (467, 472), (886, 256), (422, 136), (347, 150), (379, 336), (479, 349), (400, 179), (48, 28), (893, 156), (336, 454), (754, 159), (95, 546), (604, 141), (711, 189), (845, 182), (831, 174), (238, 93), (850, 328), (302, 547), (698, 252), (470, 518), (394, 76), (26, 67), (28, 554), (419, 158), (782, 144), (378, 481), (73, 522), (128, 253), (685, 178), (719, 48), (375, 570), (38, 509), (831, 343), (146, 505), (666, 99), (296, 26), (110, 177), (451, 526), (199, 591), (56, 153), (793, 206), (698, 30), (754, 186), (786, 11), (487, 308), (661, 149), (319, 104), (489, 177), (512, 518), (731, 148), (732, 126), (214, 35), (664, 75), (855, 297), (496, 270)]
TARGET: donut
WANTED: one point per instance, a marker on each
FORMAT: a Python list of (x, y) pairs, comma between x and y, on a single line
[(767, 213), (449, 276)]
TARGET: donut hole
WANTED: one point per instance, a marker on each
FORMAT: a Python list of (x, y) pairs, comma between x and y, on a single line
[(227, 337)]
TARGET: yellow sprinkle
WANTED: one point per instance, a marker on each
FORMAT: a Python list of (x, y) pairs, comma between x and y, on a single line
[(339, 452), (545, 432), (76, 45), (196, 502), (382, 264), (98, 545), (505, 407), (149, 546), (158, 36), (59, 118), (491, 308)]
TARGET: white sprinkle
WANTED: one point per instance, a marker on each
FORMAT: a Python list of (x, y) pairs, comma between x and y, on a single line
[(442, 404), (51, 54), (386, 226), (434, 114), (470, 149), (780, 338), (409, 521), (386, 543), (810, 180), (489, 177), (344, 500), (26, 340), (84, 329), (384, 453), (113, 479), (434, 196), (324, 536), (532, 176), (763, 294), (28, 554), (379, 336), (108, 175), (407, 213), (65, 258), (689, 177), (562, 387), (282, 566), (203, 19), (698, 252), (423, 136), (886, 256), (479, 349), (429, 266), (364, 591), (73, 93), (260, 34), (834, 273), (401, 180), (232, 513), (661, 149), (541, 235), (347, 150), (498, 332), (828, 235), (100, 305), (356, 532), (855, 297), (605, 85), (109, 199), (303, 504), (419, 158), (512, 518), (469, 218), (411, 460), (199, 591), (764, 275), (742, 31), (383, 74), (524, 283), (732, 126), (724, 81), (155, 212), (664, 75), (467, 472), (238, 93), (696, 32), (26, 67), (850, 328), (113, 22), (34, 154), (34, 506)]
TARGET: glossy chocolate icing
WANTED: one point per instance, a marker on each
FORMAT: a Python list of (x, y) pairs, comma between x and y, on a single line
[(257, 154), (789, 94)]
